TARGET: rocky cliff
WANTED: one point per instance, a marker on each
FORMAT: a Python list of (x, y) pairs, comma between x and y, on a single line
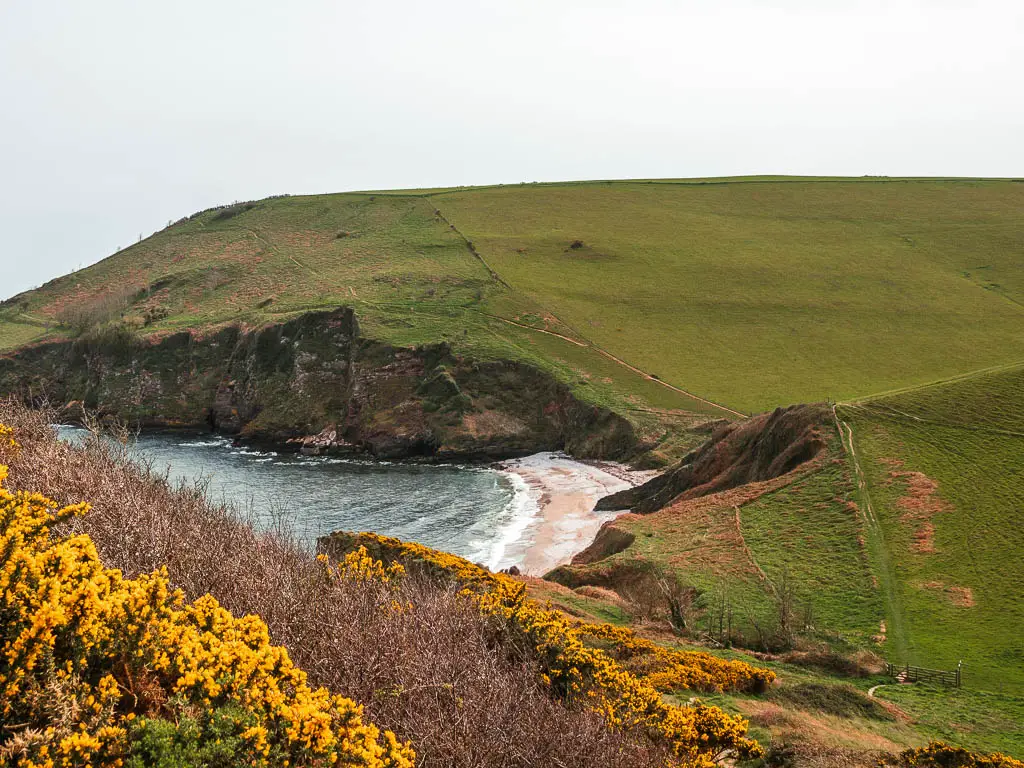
[(315, 384), (760, 448)]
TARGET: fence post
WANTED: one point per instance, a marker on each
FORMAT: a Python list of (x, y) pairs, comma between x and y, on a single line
[(958, 667)]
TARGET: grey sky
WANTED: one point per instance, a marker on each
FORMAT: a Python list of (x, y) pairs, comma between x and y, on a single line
[(118, 116)]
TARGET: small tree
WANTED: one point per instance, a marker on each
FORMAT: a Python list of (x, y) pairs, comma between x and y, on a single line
[(785, 604), (658, 591)]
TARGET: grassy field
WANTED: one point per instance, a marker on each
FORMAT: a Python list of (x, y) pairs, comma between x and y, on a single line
[(811, 532), (837, 289), (412, 279), (803, 534), (989, 722), (945, 474), (748, 292), (813, 708), (671, 301), (825, 287)]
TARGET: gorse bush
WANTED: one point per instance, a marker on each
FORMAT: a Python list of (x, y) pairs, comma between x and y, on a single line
[(696, 735), (98, 669), (940, 755), (421, 659), (671, 671)]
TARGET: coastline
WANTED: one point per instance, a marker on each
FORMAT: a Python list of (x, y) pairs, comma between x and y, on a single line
[(562, 493)]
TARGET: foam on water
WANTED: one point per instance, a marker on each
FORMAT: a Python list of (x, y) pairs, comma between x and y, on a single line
[(473, 511), (488, 515), (519, 514)]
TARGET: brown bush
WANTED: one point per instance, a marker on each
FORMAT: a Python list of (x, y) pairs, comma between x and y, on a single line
[(97, 309), (433, 673), (825, 658)]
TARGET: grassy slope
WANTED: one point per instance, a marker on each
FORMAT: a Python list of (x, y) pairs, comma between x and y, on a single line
[(411, 278), (988, 722), (816, 537), (835, 288), (824, 288), (753, 292), (968, 437), (806, 532)]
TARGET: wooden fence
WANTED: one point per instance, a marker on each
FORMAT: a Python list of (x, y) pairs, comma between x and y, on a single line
[(909, 674)]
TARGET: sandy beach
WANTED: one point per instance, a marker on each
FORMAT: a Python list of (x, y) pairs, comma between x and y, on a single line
[(563, 492)]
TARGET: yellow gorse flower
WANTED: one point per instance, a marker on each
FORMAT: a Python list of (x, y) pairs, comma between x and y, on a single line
[(698, 735), (938, 754), (110, 648)]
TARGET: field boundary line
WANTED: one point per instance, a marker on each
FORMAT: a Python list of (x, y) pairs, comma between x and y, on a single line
[(750, 553), (894, 414), (711, 181), (472, 248), (937, 383)]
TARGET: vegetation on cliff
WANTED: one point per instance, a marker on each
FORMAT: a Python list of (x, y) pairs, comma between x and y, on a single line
[(613, 319), (96, 669), (652, 299), (825, 287), (486, 678), (578, 670)]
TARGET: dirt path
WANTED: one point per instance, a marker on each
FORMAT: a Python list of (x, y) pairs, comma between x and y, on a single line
[(532, 328), (619, 361), (887, 572), (655, 379), (273, 249)]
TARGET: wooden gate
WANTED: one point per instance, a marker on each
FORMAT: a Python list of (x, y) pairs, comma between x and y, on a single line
[(910, 674)]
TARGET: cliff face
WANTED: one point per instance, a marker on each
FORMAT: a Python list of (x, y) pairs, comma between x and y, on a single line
[(761, 448), (314, 383)]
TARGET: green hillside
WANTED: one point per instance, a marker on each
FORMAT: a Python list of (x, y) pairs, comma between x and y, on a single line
[(666, 298), (945, 480), (675, 302), (826, 288)]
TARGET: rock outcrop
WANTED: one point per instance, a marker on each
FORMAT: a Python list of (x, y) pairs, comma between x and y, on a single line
[(316, 384), (760, 448)]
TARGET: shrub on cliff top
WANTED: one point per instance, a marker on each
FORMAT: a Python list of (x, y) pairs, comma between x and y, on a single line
[(585, 675)]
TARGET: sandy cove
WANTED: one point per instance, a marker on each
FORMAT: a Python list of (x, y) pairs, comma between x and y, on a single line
[(565, 491)]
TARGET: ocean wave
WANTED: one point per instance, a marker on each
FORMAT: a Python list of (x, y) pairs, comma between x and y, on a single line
[(214, 443), (521, 511)]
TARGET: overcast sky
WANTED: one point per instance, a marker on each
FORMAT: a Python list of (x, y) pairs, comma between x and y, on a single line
[(118, 116)]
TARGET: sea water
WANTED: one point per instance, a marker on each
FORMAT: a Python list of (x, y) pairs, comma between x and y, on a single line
[(477, 512)]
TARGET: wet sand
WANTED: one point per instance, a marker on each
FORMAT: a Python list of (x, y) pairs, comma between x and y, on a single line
[(565, 491)]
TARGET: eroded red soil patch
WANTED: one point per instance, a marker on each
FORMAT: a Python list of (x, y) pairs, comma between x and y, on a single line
[(919, 503), (961, 597)]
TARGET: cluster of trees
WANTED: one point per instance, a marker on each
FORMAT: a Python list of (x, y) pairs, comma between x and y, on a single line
[(658, 592)]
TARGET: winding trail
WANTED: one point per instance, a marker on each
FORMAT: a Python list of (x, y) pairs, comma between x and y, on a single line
[(532, 328), (273, 249), (896, 618)]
